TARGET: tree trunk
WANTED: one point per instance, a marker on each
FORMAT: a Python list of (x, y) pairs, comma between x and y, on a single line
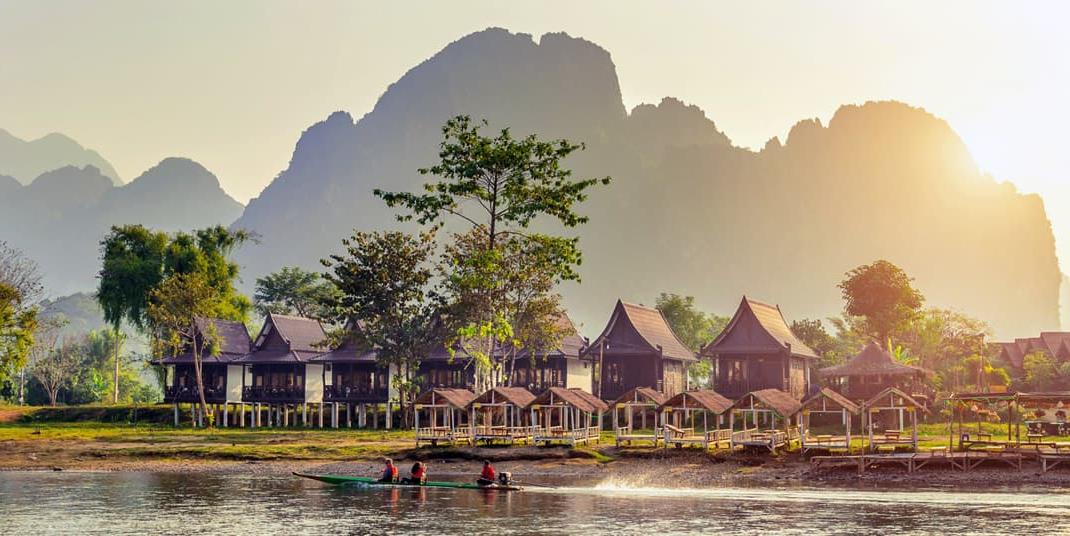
[(200, 377), (115, 396)]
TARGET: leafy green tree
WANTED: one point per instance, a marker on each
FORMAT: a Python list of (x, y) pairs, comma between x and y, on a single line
[(17, 326), (206, 252), (1041, 372), (132, 267), (174, 310), (695, 329), (499, 186), (292, 290), (386, 282), (883, 295)]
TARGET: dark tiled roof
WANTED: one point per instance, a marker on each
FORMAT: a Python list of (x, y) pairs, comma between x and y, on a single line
[(872, 361), (576, 398), (758, 328), (641, 395), (458, 398), (1054, 343), (233, 338), (303, 334), (517, 396), (836, 398), (650, 326), (711, 401), (780, 402)]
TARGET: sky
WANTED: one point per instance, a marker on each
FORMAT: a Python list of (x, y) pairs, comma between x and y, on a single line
[(233, 84)]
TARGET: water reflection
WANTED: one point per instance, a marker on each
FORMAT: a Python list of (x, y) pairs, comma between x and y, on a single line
[(112, 503)]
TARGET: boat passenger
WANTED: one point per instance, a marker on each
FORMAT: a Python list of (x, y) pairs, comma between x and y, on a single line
[(390, 472), (419, 474), (486, 478)]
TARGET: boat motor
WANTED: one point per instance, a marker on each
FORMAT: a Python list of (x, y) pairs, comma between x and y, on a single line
[(505, 478)]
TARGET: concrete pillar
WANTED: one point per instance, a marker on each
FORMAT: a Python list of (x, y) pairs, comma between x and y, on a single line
[(176, 414), (304, 415), (375, 416), (226, 414), (389, 415), (362, 420), (241, 415), (334, 415)]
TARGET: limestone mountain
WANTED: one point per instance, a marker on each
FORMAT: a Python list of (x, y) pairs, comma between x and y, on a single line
[(688, 211), (26, 160), (60, 218)]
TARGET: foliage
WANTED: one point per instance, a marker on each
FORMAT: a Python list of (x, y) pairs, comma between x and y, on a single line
[(20, 273), (174, 310), (50, 365), (17, 326), (132, 266), (695, 329), (812, 332), (385, 280), (292, 290), (882, 294), (1044, 373)]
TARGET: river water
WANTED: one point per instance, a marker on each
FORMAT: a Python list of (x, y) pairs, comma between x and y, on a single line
[(176, 503)]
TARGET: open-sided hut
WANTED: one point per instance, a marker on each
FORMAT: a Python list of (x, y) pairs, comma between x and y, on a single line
[(827, 402), (871, 371), (570, 416), (757, 351), (683, 414), (500, 414), (640, 403), (279, 377), (899, 404), (765, 419), (1046, 414), (353, 382), (441, 416), (221, 374), (637, 348)]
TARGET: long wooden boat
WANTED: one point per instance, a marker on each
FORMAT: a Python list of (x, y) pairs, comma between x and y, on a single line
[(343, 480)]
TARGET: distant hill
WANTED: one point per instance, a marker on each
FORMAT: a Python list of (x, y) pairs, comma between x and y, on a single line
[(26, 160), (688, 211), (60, 218)]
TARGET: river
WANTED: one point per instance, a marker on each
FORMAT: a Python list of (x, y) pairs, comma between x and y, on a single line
[(176, 503)]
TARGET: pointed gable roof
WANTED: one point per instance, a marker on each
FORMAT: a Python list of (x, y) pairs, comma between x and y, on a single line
[(232, 337), (648, 330), (517, 396), (783, 404), (349, 350), (872, 361), (641, 395), (1013, 353), (758, 328), (287, 339), (825, 395), (577, 398)]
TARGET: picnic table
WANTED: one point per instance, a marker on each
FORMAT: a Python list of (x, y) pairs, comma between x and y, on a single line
[(1034, 438), (892, 434)]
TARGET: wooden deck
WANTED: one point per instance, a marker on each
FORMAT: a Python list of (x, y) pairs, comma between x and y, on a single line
[(679, 437), (559, 435), (443, 434), (510, 435), (915, 461), (628, 435)]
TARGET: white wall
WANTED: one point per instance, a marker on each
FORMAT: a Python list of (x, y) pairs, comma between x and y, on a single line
[(580, 374), (314, 383), (234, 373)]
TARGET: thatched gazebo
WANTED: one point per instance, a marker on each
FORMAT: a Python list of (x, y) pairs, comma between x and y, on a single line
[(872, 371), (773, 408), (680, 418), (570, 416), (827, 402), (637, 402), (498, 415), (446, 416)]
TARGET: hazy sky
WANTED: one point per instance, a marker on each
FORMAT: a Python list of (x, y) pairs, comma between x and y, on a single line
[(232, 84)]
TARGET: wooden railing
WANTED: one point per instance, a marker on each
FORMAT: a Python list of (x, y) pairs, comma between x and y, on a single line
[(273, 394), (188, 393), (355, 393)]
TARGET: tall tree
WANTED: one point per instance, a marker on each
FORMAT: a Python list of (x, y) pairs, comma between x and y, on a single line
[(175, 310), (883, 295), (17, 326), (695, 329), (132, 267), (207, 252), (55, 365), (292, 290), (499, 186), (23, 276), (20, 273), (386, 282)]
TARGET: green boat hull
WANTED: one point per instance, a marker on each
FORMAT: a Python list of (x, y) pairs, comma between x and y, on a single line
[(343, 480)]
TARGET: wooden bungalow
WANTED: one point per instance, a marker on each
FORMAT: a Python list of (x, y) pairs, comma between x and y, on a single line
[(826, 403), (353, 383), (279, 376), (899, 404), (569, 416), (500, 414), (221, 373), (637, 348), (766, 420), (758, 351), (440, 370), (565, 366), (872, 371), (444, 416), (680, 419), (641, 402)]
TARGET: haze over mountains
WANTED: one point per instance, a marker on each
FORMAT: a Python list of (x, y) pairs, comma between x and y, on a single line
[(25, 160), (687, 212)]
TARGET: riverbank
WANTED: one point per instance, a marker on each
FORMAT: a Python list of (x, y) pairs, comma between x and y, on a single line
[(99, 447)]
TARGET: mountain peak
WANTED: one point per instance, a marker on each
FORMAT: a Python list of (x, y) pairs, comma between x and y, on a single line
[(26, 160)]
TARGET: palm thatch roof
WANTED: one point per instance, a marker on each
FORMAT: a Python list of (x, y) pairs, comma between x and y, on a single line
[(711, 401), (873, 361), (577, 398)]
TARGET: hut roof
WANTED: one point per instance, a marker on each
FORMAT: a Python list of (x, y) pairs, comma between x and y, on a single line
[(457, 398), (577, 398), (233, 338), (904, 400), (758, 328), (1054, 343), (517, 396), (643, 329), (873, 361), (301, 337), (641, 394), (708, 400), (780, 402), (836, 398), (349, 350), (1044, 397)]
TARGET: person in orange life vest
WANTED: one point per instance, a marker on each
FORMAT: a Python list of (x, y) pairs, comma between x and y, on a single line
[(419, 474), (390, 472), (486, 478)]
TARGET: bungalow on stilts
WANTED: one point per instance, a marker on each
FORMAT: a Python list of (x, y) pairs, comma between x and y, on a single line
[(569, 416), (638, 404), (500, 414), (680, 416), (354, 384), (766, 419), (221, 373), (442, 416)]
